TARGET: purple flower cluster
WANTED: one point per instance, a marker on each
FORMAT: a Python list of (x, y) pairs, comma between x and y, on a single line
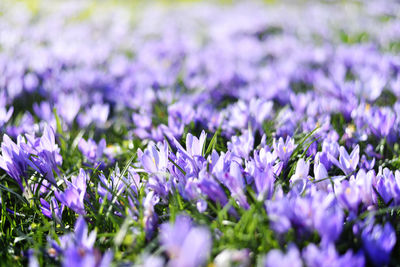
[(283, 111), (31, 154), (77, 248)]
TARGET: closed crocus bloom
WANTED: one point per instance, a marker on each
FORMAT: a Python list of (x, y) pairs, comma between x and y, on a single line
[(386, 186), (264, 182), (194, 145), (364, 182), (330, 147), (43, 111), (378, 242), (321, 176), (300, 101), (300, 177), (264, 157), (302, 169), (383, 188), (396, 187), (150, 216)]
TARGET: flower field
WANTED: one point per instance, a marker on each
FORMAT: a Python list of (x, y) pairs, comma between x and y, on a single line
[(200, 133)]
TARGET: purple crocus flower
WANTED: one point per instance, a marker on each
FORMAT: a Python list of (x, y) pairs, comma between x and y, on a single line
[(260, 110), (26, 125), (73, 102), (302, 169), (367, 164), (321, 176), (235, 183), (44, 111), (46, 151), (381, 121), (330, 149), (180, 114), (150, 216), (241, 146), (347, 163), (33, 261), (82, 236), (53, 207), (284, 149), (153, 261), (92, 151), (300, 177), (77, 248), (209, 187), (276, 257), (74, 194), (220, 163), (387, 186), (155, 161), (328, 218), (14, 160), (155, 158), (185, 244), (364, 182), (327, 256), (278, 215), (348, 195), (300, 213), (264, 182), (194, 145), (378, 242), (191, 159), (5, 114), (115, 184), (96, 114)]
